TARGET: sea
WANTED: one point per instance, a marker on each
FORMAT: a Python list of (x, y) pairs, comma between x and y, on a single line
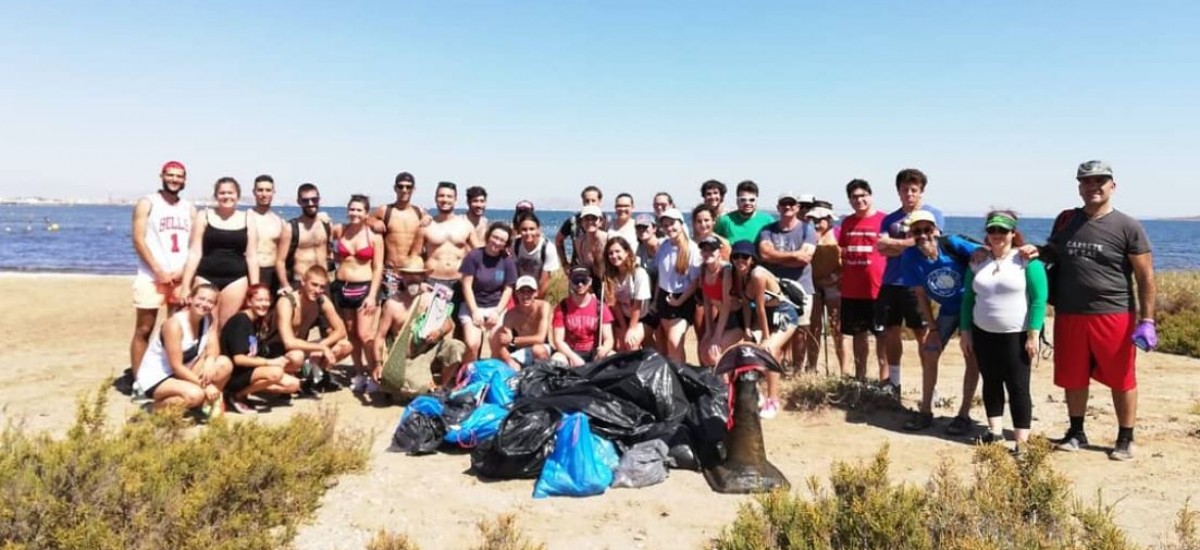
[(95, 239)]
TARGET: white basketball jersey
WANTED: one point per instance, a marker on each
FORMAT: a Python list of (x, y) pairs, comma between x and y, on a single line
[(167, 231)]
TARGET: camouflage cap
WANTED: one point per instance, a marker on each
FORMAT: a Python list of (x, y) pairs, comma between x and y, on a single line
[(1093, 168)]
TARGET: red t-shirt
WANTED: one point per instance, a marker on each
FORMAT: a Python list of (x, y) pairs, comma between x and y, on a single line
[(862, 264), (581, 323)]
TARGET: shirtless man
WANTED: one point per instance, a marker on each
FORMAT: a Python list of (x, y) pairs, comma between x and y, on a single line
[(572, 229), (400, 224), (589, 247), (521, 340), (304, 240), (476, 205), (269, 229), (437, 352), (162, 226), (448, 238), (295, 317)]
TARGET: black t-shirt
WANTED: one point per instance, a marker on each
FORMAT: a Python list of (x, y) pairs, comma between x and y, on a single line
[(238, 336)]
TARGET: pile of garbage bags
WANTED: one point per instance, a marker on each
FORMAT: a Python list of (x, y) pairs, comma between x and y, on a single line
[(621, 421)]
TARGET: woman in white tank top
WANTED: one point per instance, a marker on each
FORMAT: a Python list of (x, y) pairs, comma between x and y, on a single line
[(183, 365)]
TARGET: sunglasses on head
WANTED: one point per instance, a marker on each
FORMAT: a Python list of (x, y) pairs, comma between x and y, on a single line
[(997, 230)]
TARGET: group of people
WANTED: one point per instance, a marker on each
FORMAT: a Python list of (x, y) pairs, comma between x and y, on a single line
[(264, 305)]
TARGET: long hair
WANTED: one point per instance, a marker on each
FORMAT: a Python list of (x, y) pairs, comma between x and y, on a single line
[(701, 208), (613, 274), (683, 255), (262, 324)]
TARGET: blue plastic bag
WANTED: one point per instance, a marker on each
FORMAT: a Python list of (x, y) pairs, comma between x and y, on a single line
[(499, 392), (483, 423), (582, 463), (482, 371), (424, 404)]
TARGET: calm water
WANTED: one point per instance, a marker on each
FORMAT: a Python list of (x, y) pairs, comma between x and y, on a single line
[(95, 238)]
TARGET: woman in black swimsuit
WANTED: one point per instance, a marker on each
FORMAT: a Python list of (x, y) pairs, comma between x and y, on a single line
[(222, 245)]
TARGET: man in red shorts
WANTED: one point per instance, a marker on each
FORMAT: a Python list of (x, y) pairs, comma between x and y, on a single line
[(1097, 251)]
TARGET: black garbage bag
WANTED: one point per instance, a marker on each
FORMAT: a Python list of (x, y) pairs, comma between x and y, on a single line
[(646, 379), (543, 378), (611, 417), (418, 434), (642, 465), (520, 447), (705, 422), (681, 453)]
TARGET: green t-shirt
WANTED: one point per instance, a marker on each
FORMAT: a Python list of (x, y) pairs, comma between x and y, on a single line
[(736, 227)]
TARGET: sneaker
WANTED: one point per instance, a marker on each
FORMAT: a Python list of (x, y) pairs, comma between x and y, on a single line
[(1122, 451), (358, 384), (240, 406), (919, 421), (990, 437), (1018, 451), (961, 425), (309, 389), (770, 409), (1071, 442)]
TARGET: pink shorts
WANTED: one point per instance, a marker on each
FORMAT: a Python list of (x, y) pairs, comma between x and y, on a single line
[(1096, 346)]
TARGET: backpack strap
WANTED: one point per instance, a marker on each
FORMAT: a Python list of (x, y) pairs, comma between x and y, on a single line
[(387, 217), (290, 262)]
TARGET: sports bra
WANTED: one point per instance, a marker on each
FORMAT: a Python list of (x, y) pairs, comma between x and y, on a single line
[(363, 254)]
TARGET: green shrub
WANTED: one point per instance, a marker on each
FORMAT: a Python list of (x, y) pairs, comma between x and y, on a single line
[(158, 483), (1177, 312), (556, 288), (1020, 503)]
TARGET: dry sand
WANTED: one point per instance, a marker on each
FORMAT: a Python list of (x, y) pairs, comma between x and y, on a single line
[(63, 334)]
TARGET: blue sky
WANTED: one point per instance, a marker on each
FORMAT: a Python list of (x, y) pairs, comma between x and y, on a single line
[(996, 101)]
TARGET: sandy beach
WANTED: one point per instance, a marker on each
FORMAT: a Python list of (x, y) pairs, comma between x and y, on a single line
[(64, 334)]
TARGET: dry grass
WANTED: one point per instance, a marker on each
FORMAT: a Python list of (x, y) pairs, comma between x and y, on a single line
[(812, 393), (501, 533)]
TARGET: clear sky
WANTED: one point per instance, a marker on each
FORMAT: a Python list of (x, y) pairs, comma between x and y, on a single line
[(996, 101)]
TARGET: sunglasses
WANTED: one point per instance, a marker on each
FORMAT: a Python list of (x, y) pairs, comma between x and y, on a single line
[(996, 230), (404, 186), (314, 200), (737, 257), (580, 281), (747, 199), (788, 204), (923, 231)]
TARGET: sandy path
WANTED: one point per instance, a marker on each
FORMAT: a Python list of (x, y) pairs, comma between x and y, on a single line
[(73, 331)]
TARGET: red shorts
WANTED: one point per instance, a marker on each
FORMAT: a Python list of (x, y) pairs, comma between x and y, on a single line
[(1096, 346)]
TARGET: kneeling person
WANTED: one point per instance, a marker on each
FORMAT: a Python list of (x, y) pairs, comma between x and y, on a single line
[(295, 317), (431, 349), (521, 340), (582, 325), (183, 365), (259, 365)]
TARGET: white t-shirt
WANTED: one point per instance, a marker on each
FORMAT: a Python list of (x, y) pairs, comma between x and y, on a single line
[(1001, 303), (543, 257), (670, 280), (635, 287), (168, 228), (627, 232)]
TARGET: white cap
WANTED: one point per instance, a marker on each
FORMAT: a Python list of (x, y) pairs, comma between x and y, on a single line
[(820, 213), (591, 210), (525, 281), (806, 198), (672, 213)]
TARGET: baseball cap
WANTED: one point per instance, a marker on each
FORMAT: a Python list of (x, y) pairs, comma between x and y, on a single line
[(806, 198), (405, 176), (590, 210), (644, 219), (744, 247), (921, 216), (524, 206), (173, 164), (788, 195), (525, 281), (710, 241), (820, 213), (1093, 168), (1001, 220), (822, 203), (672, 213)]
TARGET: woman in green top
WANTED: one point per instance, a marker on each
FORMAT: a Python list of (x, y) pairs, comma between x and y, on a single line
[(1002, 312)]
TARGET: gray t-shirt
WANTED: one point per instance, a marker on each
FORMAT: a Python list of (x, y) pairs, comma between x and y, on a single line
[(790, 241), (1094, 274)]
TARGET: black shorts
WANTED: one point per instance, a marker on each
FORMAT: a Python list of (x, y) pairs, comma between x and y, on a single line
[(665, 311), (349, 295), (858, 316), (898, 304), (240, 379)]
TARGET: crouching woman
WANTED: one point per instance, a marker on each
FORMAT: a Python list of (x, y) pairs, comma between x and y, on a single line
[(183, 365), (259, 362)]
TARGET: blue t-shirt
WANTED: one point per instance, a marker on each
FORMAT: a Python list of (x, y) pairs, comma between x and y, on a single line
[(893, 226), (790, 241), (492, 274), (943, 277)]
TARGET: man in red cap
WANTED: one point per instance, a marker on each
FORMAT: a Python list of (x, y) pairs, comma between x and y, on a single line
[(162, 224)]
